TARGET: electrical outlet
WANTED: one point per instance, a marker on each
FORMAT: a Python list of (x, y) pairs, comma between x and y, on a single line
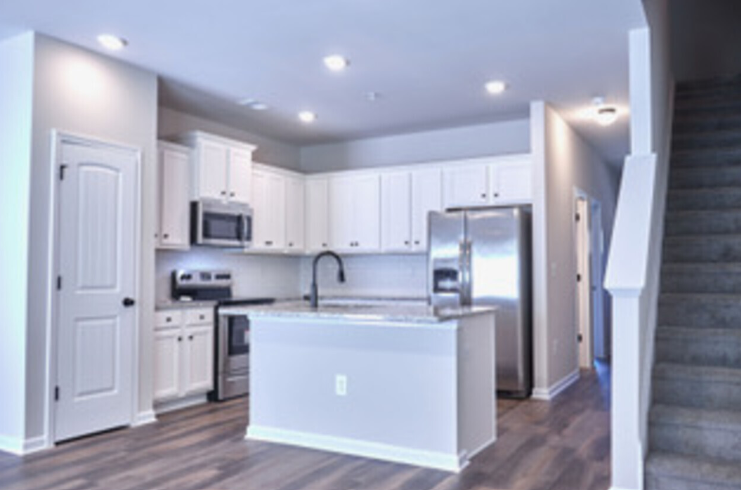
[(340, 385)]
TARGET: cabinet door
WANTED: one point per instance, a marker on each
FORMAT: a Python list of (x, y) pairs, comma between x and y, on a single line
[(511, 181), (366, 217), (294, 213), (465, 185), (240, 175), (212, 168), (174, 190), (317, 214), (198, 362), (269, 207), (427, 196), (167, 359), (396, 211), (341, 198)]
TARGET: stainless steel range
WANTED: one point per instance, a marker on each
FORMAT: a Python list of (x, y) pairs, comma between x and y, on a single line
[(232, 349)]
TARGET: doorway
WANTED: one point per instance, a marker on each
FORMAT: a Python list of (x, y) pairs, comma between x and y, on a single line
[(95, 329)]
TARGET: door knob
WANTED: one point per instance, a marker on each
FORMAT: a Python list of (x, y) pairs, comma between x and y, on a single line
[(127, 302)]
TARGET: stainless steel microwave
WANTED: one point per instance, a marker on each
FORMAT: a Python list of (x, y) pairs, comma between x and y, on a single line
[(221, 224)]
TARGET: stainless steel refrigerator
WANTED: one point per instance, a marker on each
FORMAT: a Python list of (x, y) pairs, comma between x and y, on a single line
[(482, 257)]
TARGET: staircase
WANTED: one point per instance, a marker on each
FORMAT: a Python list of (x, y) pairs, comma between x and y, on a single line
[(695, 419)]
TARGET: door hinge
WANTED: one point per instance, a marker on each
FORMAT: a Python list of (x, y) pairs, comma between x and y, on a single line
[(579, 338), (56, 393), (59, 283), (578, 217), (62, 168), (578, 278)]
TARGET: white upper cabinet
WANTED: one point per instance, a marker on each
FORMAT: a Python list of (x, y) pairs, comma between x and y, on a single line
[(222, 168), (494, 181), (396, 213), (511, 180), (295, 198), (427, 195), (174, 192), (269, 209), (317, 214), (466, 184), (355, 217)]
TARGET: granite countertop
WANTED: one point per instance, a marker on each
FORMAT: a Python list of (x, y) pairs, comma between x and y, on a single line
[(172, 304), (402, 313)]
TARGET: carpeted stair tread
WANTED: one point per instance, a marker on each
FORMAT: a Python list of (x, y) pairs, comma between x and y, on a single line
[(699, 199), (706, 140), (705, 177), (707, 247), (684, 222), (668, 471), (696, 417), (705, 123), (716, 347), (706, 157), (672, 370)]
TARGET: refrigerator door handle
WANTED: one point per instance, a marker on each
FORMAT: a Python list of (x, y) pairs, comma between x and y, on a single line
[(464, 258)]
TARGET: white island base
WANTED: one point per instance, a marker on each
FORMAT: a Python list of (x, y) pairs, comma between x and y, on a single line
[(414, 392)]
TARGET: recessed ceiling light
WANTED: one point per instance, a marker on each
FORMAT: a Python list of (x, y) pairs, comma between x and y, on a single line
[(114, 43), (336, 62), (254, 104), (307, 116), (495, 87)]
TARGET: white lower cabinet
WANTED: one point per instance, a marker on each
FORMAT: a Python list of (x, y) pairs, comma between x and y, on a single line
[(184, 353)]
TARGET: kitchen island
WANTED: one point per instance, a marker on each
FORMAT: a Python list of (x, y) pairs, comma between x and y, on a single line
[(405, 383)]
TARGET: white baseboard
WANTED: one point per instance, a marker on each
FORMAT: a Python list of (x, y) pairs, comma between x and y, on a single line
[(437, 460), (144, 418), (178, 403), (21, 447), (548, 394)]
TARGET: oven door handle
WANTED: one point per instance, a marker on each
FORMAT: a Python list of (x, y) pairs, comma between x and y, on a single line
[(223, 349)]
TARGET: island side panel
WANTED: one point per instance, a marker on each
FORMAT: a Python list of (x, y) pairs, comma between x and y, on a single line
[(477, 396), (401, 383)]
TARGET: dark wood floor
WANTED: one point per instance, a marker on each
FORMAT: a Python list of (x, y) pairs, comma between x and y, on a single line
[(564, 444)]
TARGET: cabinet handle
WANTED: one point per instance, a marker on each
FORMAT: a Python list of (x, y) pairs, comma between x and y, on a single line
[(268, 243), (223, 193), (202, 317), (324, 245), (180, 339), (231, 194), (416, 242), (166, 235), (406, 242), (496, 194), (290, 244), (483, 195), (190, 337), (168, 319)]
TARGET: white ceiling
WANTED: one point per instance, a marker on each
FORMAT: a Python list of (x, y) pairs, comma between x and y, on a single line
[(427, 59)]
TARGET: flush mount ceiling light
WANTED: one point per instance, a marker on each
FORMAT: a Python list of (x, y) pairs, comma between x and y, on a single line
[(602, 113), (306, 117), (495, 87), (336, 62), (114, 43), (254, 104)]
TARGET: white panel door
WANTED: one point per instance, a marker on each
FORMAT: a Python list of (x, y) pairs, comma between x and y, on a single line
[(427, 195), (294, 213), (96, 311), (465, 185), (317, 214), (198, 347), (511, 181), (366, 219), (167, 359), (240, 175), (174, 188), (212, 169), (396, 197)]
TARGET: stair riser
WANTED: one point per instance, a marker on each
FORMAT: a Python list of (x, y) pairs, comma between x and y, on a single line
[(722, 444), (698, 313), (705, 140), (717, 107), (689, 125), (715, 351), (698, 178), (715, 83), (677, 224), (700, 282), (710, 249), (708, 157), (656, 482), (710, 394), (689, 201)]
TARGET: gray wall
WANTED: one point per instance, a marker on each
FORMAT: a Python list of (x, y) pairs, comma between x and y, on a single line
[(563, 162), (705, 38), (81, 92), (270, 151), (16, 93), (444, 144)]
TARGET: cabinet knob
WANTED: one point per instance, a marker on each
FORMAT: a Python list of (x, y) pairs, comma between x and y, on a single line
[(168, 319), (190, 337), (223, 193), (180, 339), (324, 245), (483, 195), (496, 194), (290, 244), (166, 235), (202, 317), (231, 194), (416, 242), (268, 243), (406, 242)]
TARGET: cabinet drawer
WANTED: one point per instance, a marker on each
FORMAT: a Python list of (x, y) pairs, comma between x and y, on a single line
[(168, 318), (199, 316)]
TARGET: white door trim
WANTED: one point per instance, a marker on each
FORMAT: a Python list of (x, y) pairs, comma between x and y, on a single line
[(586, 282), (58, 138)]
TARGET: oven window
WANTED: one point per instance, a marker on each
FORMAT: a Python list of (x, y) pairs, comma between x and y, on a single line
[(239, 335), (221, 226)]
